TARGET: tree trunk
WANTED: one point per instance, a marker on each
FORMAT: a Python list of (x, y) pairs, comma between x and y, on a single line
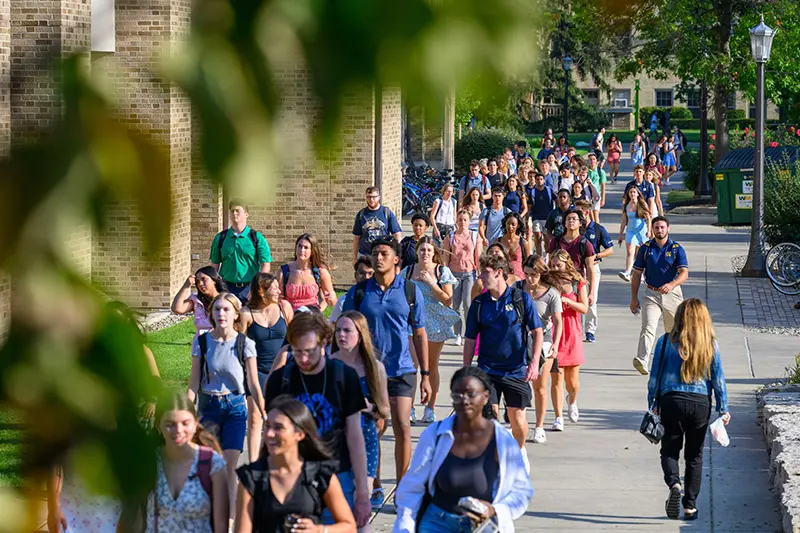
[(722, 142), (722, 89)]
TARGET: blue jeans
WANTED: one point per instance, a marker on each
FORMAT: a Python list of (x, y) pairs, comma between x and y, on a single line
[(229, 414), (435, 520), (348, 482)]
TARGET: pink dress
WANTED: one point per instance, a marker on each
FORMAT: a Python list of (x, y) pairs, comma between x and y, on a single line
[(570, 351), (300, 295)]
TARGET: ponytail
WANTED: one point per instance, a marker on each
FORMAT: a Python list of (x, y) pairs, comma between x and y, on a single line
[(203, 437)]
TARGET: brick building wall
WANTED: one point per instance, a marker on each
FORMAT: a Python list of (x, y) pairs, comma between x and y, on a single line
[(392, 148), (5, 135), (206, 206)]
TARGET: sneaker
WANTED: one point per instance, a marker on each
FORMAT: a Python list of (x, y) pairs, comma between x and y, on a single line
[(625, 276), (459, 341), (525, 460), (377, 499), (590, 337), (429, 416), (574, 415), (539, 436), (641, 366), (413, 416), (558, 425), (673, 504)]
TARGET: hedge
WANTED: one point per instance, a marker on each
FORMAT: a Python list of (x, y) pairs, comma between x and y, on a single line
[(781, 198), (674, 113), (483, 142), (686, 123)]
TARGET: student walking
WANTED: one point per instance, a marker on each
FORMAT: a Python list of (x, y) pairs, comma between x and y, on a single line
[(293, 480), (352, 345), (394, 307), (634, 228), (598, 178), (504, 317), (443, 213), (408, 246), (265, 321), (331, 391), (491, 222), (575, 302), (576, 245), (239, 252), (614, 149), (307, 280), (542, 203), (474, 204), (665, 267), (554, 225), (223, 360), (686, 369), (208, 284), (469, 454), (547, 300), (646, 189), (651, 175), (603, 246), (670, 164), (362, 270), (372, 223), (637, 150), (474, 180), (462, 256), (515, 198), (436, 282), (516, 240)]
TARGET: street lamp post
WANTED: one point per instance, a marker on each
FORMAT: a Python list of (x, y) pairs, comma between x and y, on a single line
[(567, 64), (760, 45)]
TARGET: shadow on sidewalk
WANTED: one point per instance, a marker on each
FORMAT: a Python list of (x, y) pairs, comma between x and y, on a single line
[(599, 519)]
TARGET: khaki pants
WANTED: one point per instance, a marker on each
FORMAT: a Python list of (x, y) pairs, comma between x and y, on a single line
[(653, 306), (591, 314)]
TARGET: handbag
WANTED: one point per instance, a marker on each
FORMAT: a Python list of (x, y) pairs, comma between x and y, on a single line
[(651, 427)]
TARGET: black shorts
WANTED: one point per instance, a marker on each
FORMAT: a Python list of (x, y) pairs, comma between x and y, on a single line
[(402, 386), (599, 154), (516, 391)]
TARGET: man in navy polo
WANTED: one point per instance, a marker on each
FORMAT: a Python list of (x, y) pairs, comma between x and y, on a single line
[(603, 247), (390, 317), (665, 268), (647, 189), (504, 350)]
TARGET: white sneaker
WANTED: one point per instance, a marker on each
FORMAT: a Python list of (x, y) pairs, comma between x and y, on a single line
[(459, 340), (641, 366), (525, 460), (539, 436), (429, 416), (413, 416), (625, 275), (558, 425), (574, 415)]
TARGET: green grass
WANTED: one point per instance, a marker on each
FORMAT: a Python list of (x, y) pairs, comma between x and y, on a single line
[(10, 449), (680, 195)]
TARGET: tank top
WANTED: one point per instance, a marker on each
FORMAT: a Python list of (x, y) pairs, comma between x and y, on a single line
[(268, 341), (459, 477), (300, 295), (515, 260), (462, 253), (446, 213)]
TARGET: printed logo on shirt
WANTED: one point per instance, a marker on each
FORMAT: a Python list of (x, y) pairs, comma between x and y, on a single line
[(326, 415), (374, 228)]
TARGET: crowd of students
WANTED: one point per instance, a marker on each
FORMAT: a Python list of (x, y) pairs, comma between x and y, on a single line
[(507, 267)]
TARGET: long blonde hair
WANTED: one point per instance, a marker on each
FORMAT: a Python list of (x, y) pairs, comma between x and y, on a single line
[(235, 303), (569, 275), (693, 332), (642, 211), (365, 349)]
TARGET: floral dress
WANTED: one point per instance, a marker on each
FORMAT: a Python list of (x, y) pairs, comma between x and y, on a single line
[(85, 511), (439, 319), (191, 510)]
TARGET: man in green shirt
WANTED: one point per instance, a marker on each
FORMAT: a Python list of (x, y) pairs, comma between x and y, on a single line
[(598, 177), (240, 252)]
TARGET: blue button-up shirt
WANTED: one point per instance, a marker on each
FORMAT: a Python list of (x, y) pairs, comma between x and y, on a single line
[(387, 313), (671, 376), (660, 265), (598, 236)]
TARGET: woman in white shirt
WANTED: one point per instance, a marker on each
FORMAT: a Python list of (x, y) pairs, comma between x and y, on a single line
[(443, 213)]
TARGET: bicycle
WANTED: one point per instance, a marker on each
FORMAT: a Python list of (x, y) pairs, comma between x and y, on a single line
[(783, 268)]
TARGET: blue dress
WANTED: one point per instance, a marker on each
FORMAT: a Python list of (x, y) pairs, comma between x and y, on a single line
[(370, 430), (439, 320), (637, 156), (636, 229), (669, 158)]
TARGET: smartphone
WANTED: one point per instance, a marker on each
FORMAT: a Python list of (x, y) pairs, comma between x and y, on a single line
[(473, 505)]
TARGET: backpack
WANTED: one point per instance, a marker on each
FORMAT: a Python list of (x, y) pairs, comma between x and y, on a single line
[(224, 233), (518, 302), (410, 271), (410, 291), (202, 342), (288, 368), (485, 218), (307, 480), (203, 474), (317, 280), (581, 244)]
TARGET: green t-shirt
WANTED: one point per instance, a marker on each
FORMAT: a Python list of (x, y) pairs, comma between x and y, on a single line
[(238, 262), (597, 176)]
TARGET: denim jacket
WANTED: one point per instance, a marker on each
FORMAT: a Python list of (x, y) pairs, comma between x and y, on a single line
[(671, 376), (512, 492)]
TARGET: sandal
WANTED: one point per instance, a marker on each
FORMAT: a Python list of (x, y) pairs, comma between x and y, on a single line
[(377, 498), (673, 504)]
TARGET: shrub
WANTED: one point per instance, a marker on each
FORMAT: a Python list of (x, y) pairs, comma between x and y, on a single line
[(687, 123), (646, 112), (679, 113), (736, 114), (481, 143), (690, 162), (781, 198)]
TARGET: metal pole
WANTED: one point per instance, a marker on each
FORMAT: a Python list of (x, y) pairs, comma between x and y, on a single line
[(754, 267), (566, 102), (636, 89), (703, 184)]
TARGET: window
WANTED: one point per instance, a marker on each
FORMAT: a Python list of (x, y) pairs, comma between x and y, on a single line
[(663, 97), (103, 28), (547, 96), (622, 98), (751, 108), (732, 101), (693, 98), (591, 96)]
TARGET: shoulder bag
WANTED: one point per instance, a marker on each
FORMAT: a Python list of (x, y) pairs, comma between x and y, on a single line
[(651, 427)]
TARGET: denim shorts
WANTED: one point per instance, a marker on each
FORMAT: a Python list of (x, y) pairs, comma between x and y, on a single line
[(436, 520), (229, 414), (348, 482)]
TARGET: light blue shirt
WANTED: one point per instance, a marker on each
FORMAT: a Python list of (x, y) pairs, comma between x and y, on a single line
[(225, 374), (494, 222)]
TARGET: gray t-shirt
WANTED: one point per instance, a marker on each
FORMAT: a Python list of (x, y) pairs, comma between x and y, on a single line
[(225, 374), (546, 306)]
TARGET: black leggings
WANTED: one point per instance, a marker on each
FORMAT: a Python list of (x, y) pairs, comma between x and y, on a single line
[(684, 415)]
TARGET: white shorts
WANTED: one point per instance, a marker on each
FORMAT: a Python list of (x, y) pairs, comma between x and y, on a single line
[(596, 205), (538, 225)]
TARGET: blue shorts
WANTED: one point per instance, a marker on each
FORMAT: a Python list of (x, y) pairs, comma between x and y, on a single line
[(229, 414), (348, 482)]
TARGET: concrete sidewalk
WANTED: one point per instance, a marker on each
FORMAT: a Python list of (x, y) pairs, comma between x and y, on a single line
[(600, 474)]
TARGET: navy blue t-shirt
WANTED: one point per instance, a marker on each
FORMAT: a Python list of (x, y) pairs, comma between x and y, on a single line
[(599, 237), (502, 350), (513, 201), (542, 203), (371, 225)]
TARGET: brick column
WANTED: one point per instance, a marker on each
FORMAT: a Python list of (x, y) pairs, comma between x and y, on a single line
[(434, 131), (207, 209), (5, 135), (145, 31), (392, 150)]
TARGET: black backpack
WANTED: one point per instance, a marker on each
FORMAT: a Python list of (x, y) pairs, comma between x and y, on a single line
[(317, 279), (410, 291), (224, 233), (518, 301), (202, 342)]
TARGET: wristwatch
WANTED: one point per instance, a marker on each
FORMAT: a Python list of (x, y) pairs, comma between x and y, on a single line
[(425, 372)]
